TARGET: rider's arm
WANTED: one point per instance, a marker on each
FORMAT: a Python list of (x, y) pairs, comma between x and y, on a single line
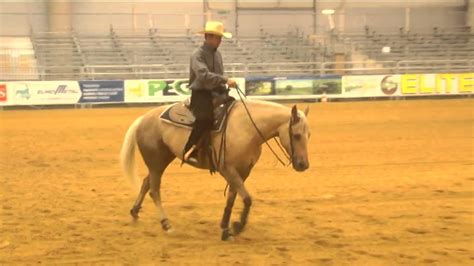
[(206, 78)]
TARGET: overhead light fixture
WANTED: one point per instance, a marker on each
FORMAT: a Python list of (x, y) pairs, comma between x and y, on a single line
[(327, 11)]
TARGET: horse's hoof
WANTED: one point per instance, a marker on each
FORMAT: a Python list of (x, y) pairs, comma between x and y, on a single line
[(229, 239), (227, 235), (166, 225), (134, 212), (237, 228)]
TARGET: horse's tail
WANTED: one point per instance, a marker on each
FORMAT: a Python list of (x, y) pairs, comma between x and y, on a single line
[(127, 153)]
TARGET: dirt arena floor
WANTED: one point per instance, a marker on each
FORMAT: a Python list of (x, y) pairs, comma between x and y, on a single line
[(390, 182)]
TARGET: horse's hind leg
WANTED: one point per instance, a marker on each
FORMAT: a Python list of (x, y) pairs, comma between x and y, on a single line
[(141, 196), (157, 159), (155, 194)]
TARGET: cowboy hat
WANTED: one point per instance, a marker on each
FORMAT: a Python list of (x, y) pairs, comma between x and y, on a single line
[(216, 28)]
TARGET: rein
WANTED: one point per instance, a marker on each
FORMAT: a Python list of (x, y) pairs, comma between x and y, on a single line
[(240, 93)]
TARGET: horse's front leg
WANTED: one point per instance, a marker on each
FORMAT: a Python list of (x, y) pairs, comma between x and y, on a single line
[(226, 234), (238, 227), (236, 184)]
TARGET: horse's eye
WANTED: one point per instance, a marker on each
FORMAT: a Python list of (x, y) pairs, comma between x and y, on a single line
[(297, 137)]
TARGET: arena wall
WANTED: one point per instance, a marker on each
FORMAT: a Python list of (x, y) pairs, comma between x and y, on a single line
[(320, 88), (17, 17)]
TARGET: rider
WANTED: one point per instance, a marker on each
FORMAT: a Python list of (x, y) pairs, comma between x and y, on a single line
[(206, 78)]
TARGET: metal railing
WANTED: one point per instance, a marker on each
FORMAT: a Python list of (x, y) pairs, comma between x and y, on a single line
[(162, 71)]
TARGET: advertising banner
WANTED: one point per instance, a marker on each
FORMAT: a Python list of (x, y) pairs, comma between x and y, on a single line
[(437, 84), (163, 90), (371, 86), (42, 92), (102, 91), (142, 91), (308, 86), (293, 86), (3, 94), (259, 86)]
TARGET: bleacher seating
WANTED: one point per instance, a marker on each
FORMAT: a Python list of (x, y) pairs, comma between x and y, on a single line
[(57, 55), (150, 54), (438, 45), (17, 60)]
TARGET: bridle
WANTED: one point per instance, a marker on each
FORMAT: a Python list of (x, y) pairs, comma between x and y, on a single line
[(290, 134), (289, 157)]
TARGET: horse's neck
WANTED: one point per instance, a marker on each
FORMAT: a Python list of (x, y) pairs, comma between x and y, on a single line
[(269, 117)]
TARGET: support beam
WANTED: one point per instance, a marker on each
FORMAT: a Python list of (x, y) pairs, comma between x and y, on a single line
[(470, 14), (59, 15), (236, 12), (315, 18), (407, 19)]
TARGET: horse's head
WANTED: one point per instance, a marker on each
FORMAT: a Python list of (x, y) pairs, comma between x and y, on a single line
[(294, 138)]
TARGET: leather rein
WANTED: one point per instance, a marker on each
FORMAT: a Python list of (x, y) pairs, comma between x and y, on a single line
[(289, 157)]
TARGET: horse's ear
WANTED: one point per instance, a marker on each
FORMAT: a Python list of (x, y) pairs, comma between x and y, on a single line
[(306, 111), (294, 114)]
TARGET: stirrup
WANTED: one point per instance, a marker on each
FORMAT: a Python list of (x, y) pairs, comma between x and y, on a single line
[(187, 156)]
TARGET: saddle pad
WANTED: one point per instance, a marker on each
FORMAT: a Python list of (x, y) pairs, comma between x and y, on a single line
[(179, 114)]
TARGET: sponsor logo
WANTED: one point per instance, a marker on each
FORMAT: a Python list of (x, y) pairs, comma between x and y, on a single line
[(3, 92), (61, 89), (157, 88), (168, 87), (136, 89), (441, 83), (388, 85), (23, 93)]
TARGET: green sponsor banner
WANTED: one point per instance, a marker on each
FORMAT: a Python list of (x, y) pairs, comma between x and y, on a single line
[(259, 87), (304, 86), (308, 86)]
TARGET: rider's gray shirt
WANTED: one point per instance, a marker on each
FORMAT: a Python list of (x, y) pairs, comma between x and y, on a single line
[(206, 69)]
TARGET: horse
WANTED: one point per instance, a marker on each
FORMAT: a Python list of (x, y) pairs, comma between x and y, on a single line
[(250, 124)]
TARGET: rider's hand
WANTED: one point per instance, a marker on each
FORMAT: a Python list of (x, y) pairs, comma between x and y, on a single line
[(231, 83)]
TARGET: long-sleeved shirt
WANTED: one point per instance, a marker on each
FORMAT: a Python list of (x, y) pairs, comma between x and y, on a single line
[(206, 69)]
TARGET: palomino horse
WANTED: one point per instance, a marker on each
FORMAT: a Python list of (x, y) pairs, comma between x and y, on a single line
[(160, 143)]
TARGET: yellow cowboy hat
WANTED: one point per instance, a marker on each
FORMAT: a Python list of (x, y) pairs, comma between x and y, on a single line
[(216, 28)]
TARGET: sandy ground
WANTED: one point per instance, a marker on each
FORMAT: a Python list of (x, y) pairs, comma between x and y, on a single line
[(389, 183)]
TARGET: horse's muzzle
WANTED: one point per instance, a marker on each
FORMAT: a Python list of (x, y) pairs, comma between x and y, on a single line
[(300, 166)]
